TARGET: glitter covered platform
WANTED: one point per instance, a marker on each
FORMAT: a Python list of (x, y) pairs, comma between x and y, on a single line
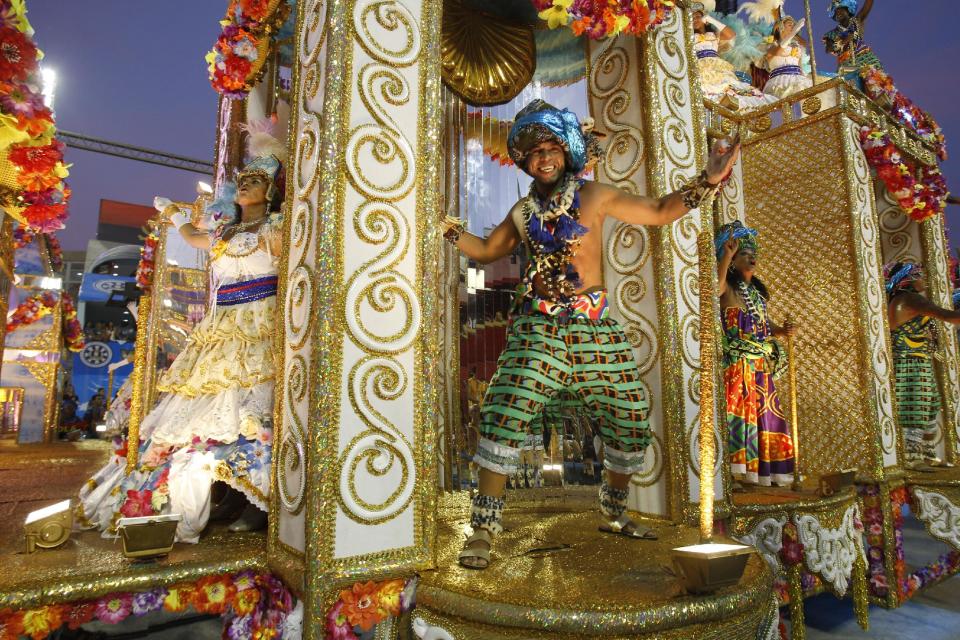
[(554, 575), (89, 566)]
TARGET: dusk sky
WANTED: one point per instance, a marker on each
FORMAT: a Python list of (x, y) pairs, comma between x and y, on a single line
[(133, 72)]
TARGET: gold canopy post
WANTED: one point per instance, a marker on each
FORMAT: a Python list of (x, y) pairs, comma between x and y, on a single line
[(708, 451), (813, 56), (794, 429)]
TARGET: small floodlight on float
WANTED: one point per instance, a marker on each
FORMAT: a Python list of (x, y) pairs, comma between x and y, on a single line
[(101, 428), (148, 536), (50, 283), (204, 188), (708, 566), (48, 527)]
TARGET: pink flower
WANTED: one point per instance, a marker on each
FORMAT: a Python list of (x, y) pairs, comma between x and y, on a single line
[(114, 608), (337, 626), (137, 504)]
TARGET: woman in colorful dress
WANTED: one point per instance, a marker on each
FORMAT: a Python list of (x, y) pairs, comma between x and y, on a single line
[(784, 60), (845, 41), (913, 336), (718, 78), (213, 420), (760, 446)]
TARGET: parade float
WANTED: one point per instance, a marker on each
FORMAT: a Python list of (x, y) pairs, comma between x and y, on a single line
[(395, 122)]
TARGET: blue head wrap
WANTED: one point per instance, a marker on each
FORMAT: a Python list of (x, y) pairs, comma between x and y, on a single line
[(735, 231), (899, 274), (539, 122), (849, 5)]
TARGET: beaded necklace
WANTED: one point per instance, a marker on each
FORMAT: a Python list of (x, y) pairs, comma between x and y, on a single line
[(554, 234), (756, 305)]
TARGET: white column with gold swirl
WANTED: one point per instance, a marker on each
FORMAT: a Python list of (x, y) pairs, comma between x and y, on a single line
[(676, 151), (935, 252), (872, 296), (614, 88), (356, 420), (298, 282)]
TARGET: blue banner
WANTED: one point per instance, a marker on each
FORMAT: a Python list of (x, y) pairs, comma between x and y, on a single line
[(96, 287), (91, 369)]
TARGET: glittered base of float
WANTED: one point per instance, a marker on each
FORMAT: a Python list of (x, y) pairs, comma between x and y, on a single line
[(88, 566), (554, 575)]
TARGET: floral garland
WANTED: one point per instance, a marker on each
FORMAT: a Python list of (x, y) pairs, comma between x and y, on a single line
[(554, 233), (253, 605), (31, 310), (148, 255), (360, 608), (603, 18), (879, 86), (72, 331), (874, 530), (55, 252), (22, 236), (40, 175), (921, 193), (241, 50), (27, 127)]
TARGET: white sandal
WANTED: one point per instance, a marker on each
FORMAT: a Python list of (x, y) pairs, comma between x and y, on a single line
[(619, 527), (476, 553)]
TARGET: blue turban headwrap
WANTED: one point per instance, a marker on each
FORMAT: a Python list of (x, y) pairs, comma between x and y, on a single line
[(849, 5), (735, 231), (539, 122), (900, 274)]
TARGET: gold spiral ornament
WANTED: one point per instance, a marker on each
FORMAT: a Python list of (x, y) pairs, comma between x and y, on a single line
[(485, 60)]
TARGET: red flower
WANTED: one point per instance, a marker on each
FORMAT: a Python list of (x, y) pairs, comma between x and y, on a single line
[(46, 217), (213, 594), (80, 613), (37, 159), (11, 625), (18, 55), (137, 504)]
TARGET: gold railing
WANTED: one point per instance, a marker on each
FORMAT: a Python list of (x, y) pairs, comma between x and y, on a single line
[(812, 104)]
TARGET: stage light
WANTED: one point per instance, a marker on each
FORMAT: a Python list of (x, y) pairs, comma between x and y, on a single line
[(706, 567), (49, 81), (48, 527), (50, 283), (203, 187), (167, 302), (101, 428), (148, 536)]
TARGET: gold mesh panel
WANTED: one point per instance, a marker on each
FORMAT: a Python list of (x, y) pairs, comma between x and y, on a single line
[(795, 196)]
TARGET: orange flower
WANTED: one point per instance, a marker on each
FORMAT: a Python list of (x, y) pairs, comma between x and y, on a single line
[(37, 181), (361, 605), (178, 597), (246, 601), (11, 625), (390, 597), (213, 594), (39, 623), (264, 633)]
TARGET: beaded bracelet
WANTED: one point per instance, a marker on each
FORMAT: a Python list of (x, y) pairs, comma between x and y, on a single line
[(456, 230), (697, 190)]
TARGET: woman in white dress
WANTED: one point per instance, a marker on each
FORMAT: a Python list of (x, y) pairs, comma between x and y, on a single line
[(784, 59), (213, 421), (718, 78)]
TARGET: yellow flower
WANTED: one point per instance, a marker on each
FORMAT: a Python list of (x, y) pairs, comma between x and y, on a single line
[(557, 15), (622, 23), (389, 597)]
